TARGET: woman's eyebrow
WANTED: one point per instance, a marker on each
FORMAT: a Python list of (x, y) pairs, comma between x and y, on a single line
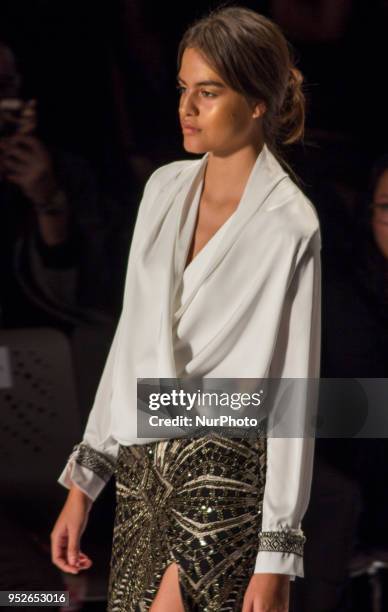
[(201, 83)]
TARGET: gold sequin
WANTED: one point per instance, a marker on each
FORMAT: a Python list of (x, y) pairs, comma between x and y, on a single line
[(195, 501)]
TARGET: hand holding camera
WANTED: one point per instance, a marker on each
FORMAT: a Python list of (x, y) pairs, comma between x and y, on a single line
[(24, 160)]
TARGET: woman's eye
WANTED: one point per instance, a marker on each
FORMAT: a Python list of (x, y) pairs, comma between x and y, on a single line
[(204, 93), (208, 94)]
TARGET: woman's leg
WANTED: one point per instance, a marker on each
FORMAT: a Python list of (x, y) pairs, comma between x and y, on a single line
[(168, 597)]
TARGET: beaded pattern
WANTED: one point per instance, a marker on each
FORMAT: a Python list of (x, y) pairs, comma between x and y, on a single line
[(195, 501), (88, 457), (284, 541)]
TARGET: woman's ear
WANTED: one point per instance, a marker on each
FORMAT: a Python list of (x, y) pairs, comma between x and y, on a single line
[(259, 109)]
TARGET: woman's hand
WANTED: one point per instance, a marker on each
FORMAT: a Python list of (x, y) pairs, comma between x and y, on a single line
[(267, 593), (67, 531)]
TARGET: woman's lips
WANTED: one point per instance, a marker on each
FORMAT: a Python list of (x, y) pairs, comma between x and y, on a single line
[(189, 130)]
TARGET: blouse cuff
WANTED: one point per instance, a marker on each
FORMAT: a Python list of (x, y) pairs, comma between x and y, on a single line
[(281, 552), (279, 563), (89, 469)]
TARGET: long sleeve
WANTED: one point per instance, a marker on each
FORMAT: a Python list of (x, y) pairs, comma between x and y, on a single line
[(92, 462), (290, 459)]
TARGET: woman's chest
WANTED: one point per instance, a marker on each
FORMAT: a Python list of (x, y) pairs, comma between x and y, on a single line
[(209, 220)]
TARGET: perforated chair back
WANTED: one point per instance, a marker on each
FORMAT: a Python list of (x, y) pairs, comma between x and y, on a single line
[(39, 419)]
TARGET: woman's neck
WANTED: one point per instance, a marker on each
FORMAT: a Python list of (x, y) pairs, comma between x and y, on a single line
[(227, 176)]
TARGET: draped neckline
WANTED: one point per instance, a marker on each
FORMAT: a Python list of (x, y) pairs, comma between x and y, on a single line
[(264, 178), (194, 210), (197, 264)]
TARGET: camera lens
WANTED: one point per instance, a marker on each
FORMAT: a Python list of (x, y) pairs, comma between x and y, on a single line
[(10, 116)]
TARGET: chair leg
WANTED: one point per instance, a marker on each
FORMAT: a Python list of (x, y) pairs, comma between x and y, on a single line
[(376, 590)]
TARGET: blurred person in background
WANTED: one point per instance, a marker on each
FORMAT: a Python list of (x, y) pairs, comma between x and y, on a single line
[(346, 520), (356, 338), (58, 263), (355, 345), (54, 269)]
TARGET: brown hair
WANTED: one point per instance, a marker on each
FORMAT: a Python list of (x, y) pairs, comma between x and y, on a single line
[(254, 58)]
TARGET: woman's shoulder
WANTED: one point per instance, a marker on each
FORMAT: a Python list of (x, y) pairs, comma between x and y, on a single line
[(164, 180), (170, 171), (292, 211)]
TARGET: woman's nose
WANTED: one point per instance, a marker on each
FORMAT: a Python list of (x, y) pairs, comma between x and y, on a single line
[(187, 104)]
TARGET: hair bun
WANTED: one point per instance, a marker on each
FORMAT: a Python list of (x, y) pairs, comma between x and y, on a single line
[(295, 78), (292, 111)]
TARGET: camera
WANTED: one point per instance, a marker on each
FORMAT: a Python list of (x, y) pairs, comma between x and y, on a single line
[(11, 116)]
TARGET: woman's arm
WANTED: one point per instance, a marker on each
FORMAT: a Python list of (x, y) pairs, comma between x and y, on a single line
[(290, 457), (92, 462), (66, 535)]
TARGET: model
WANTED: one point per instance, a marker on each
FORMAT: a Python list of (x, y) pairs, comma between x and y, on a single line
[(223, 281)]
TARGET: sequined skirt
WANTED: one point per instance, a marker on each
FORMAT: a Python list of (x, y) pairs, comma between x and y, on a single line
[(193, 501)]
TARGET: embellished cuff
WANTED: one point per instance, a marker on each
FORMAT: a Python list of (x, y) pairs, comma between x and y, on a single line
[(285, 540), (87, 468), (97, 462)]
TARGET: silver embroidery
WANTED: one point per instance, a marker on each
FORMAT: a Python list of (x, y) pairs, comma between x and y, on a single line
[(282, 541), (95, 461)]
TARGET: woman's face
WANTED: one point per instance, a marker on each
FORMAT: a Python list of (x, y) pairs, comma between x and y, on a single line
[(214, 117), (380, 214)]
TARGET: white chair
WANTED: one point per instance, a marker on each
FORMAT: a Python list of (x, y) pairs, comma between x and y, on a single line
[(39, 425), (370, 564), (39, 418)]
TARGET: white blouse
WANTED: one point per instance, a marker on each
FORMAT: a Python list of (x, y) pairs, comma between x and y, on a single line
[(289, 460), (190, 276)]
